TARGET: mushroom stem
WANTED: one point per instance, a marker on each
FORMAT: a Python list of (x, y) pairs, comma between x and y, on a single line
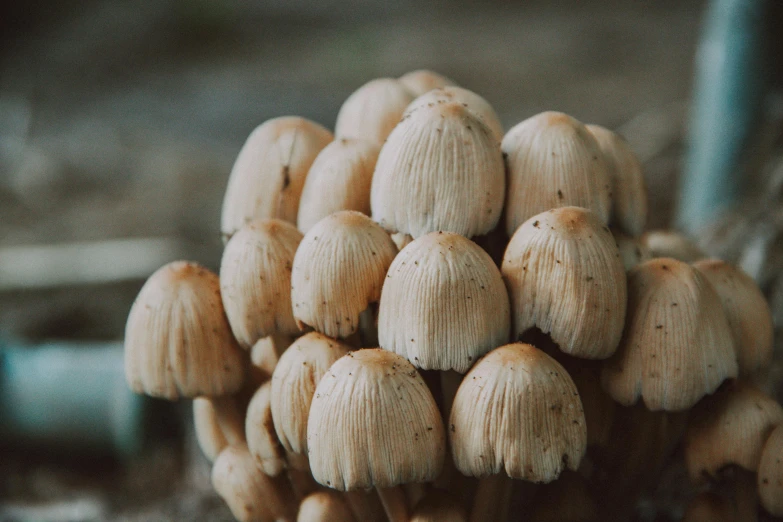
[(414, 492), (301, 482), (368, 326), (365, 505), (492, 499), (230, 420), (393, 500)]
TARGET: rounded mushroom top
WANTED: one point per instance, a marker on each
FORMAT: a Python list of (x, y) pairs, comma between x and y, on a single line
[(669, 243), (178, 342), (422, 81), (677, 345), (324, 506), (746, 309), (553, 161), (374, 423), (443, 303), (338, 271), (440, 169), (268, 175), (475, 103), (564, 276), (517, 410), (372, 111), (438, 506)]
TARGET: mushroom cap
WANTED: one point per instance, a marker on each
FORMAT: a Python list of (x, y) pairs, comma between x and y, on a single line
[(372, 111), (177, 339), (669, 243), (632, 250), (475, 103), (260, 431), (324, 506), (293, 385), (264, 356), (422, 81), (553, 161), (255, 280), (440, 170), (629, 190), (443, 303), (517, 410), (268, 175), (728, 428), (564, 276), (374, 423), (746, 309), (677, 345), (438, 506), (251, 495), (339, 179), (770, 475), (338, 271)]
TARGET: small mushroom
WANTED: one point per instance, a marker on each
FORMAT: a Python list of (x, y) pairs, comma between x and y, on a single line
[(422, 81), (632, 251), (677, 345), (339, 179), (324, 506), (564, 276), (475, 103), (770, 473), (218, 422), (748, 313), (178, 342), (269, 173), (440, 170), (438, 506), (260, 431), (553, 161), (255, 280), (443, 303), (338, 271), (372, 111), (629, 191), (669, 243), (264, 356)]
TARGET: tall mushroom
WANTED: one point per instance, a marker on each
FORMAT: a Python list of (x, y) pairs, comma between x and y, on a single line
[(372, 111)]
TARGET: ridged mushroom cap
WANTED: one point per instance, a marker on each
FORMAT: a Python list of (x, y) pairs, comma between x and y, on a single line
[(564, 276), (339, 179), (251, 495), (629, 190), (728, 428), (324, 506), (472, 101), (177, 339), (372, 111), (443, 303), (746, 309), (770, 474), (553, 161), (677, 345), (438, 506), (269, 173), (440, 170), (374, 423), (517, 411), (260, 431), (339, 270), (632, 251), (669, 243), (293, 385), (255, 280), (422, 81)]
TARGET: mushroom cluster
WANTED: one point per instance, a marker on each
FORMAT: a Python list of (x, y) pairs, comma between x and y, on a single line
[(426, 318)]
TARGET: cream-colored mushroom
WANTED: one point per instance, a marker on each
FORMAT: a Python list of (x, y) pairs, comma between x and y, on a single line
[(324, 506), (669, 243), (475, 103), (422, 81), (262, 440), (218, 423), (372, 111)]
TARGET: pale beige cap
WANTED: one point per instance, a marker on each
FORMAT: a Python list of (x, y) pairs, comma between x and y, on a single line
[(421, 81), (372, 111)]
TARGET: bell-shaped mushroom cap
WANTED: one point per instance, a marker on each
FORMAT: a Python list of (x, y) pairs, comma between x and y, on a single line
[(255, 280), (372, 111), (475, 103), (564, 276), (438, 506), (440, 169), (770, 475), (177, 339), (324, 506), (260, 431), (553, 161), (251, 495), (747, 311), (517, 410), (269, 173), (567, 499), (293, 386), (217, 423), (632, 251), (374, 422), (668, 243), (728, 428), (677, 344), (443, 303), (422, 81), (339, 270), (339, 179), (629, 191)]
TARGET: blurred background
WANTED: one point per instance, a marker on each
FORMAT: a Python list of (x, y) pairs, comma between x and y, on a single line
[(120, 120)]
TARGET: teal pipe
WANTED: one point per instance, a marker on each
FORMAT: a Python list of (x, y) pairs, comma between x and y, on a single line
[(730, 84)]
